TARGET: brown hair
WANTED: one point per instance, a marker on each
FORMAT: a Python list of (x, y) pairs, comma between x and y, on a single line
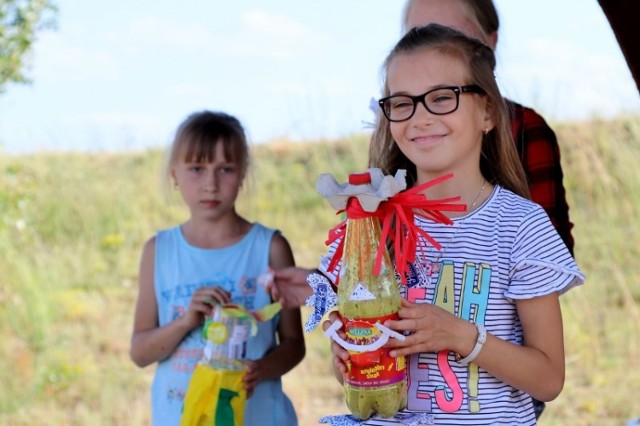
[(499, 162), (199, 134), (482, 12)]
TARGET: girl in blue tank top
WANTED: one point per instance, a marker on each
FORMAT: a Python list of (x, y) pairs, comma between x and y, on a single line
[(216, 256)]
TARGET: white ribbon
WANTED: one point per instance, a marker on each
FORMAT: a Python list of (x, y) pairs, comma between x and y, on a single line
[(332, 333)]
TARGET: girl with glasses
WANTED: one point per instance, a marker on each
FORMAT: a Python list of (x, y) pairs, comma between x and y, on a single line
[(482, 313), (535, 141)]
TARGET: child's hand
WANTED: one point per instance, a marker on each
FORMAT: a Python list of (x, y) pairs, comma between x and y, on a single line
[(340, 354), (202, 303), (431, 329), (254, 375), (289, 286)]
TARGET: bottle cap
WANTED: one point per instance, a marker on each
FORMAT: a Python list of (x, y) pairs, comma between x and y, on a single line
[(359, 178)]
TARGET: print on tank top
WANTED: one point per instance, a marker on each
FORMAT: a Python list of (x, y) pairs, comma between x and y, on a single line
[(186, 356)]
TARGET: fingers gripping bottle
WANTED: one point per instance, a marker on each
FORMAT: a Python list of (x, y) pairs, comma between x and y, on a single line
[(375, 382)]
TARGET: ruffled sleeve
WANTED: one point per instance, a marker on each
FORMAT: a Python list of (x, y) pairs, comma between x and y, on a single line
[(540, 262)]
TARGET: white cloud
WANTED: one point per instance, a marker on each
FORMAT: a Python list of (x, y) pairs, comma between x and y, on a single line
[(60, 57), (161, 32), (187, 89), (256, 34), (567, 80), (277, 36), (275, 25), (130, 74), (144, 122)]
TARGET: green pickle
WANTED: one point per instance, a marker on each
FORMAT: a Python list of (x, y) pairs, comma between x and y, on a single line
[(375, 382)]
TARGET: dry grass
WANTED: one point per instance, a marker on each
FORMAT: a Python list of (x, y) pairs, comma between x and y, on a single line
[(73, 224)]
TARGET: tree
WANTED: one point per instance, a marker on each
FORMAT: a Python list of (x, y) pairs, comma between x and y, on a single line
[(20, 21)]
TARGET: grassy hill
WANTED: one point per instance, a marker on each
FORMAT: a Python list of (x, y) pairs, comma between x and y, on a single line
[(72, 227)]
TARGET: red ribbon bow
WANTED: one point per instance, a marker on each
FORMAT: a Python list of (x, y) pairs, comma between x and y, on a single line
[(403, 207)]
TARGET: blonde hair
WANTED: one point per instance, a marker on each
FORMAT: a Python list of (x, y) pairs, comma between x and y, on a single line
[(198, 135), (499, 162), (482, 12)]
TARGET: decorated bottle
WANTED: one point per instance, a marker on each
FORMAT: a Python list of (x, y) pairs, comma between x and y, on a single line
[(375, 382)]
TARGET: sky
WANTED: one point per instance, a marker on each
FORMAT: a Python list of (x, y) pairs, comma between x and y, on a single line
[(122, 75)]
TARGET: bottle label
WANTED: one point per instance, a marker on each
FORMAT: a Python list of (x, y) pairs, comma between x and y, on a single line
[(373, 368)]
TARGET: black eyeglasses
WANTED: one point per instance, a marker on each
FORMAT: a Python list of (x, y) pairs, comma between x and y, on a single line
[(439, 101)]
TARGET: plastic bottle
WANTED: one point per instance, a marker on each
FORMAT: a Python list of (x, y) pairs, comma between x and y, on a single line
[(375, 382)]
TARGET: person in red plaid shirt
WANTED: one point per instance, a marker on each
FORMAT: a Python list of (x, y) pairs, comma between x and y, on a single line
[(535, 140)]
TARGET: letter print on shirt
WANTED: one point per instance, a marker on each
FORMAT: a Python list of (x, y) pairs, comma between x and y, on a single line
[(440, 384)]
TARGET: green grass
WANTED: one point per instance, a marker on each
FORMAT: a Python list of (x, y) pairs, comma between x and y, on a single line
[(72, 227)]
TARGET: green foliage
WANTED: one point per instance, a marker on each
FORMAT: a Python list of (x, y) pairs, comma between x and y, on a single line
[(72, 227), (20, 21)]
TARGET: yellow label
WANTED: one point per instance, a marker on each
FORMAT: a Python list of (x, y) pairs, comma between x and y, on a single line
[(217, 332)]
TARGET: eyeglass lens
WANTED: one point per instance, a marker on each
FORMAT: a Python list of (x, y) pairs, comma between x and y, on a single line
[(437, 101)]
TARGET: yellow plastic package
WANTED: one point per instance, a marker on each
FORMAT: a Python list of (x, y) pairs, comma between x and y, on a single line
[(216, 394), (215, 397)]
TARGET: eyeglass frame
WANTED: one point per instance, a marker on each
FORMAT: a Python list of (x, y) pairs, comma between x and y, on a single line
[(470, 88)]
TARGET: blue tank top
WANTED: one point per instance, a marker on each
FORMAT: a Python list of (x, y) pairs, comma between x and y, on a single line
[(180, 270)]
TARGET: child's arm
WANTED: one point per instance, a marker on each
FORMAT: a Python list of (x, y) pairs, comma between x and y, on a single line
[(291, 347), (150, 343), (289, 286), (536, 367)]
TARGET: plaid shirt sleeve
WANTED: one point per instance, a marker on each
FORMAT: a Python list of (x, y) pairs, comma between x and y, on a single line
[(540, 155)]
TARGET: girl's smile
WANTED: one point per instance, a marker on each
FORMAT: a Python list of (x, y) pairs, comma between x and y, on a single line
[(428, 140), (437, 143)]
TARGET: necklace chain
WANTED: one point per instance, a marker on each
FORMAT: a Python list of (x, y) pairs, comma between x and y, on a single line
[(475, 200), (434, 266)]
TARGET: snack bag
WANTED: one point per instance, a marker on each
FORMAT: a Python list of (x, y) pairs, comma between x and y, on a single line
[(216, 394)]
